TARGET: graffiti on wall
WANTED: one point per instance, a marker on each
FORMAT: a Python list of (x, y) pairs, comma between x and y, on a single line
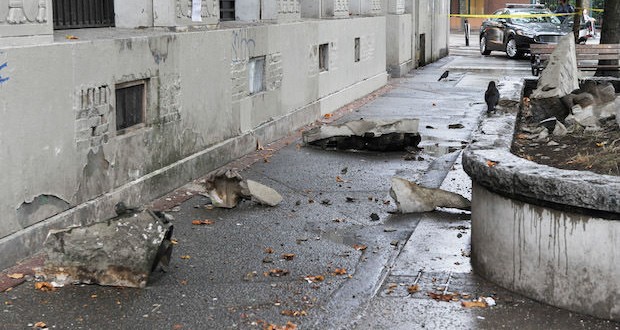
[(3, 71), (242, 46)]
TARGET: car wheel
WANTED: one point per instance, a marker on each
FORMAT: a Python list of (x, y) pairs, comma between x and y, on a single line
[(483, 46), (511, 49)]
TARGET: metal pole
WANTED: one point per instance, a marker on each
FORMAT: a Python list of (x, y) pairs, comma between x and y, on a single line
[(466, 32)]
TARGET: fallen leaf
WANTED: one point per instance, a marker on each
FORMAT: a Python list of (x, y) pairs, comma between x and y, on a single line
[(287, 326), (259, 146), (174, 242), (601, 144), (93, 296), (44, 286), (203, 222), (277, 272), (491, 163), (40, 325), (269, 250), (288, 312), (185, 257), (359, 247), (471, 304), (521, 136), (413, 288), (443, 297), (339, 179), (288, 256), (314, 279), (340, 271), (8, 303), (71, 37), (177, 327), (16, 276), (327, 115)]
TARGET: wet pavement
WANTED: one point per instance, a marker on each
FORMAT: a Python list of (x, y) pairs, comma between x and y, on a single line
[(349, 271)]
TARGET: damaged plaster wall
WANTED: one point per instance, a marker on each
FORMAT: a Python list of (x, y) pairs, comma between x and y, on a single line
[(64, 162)]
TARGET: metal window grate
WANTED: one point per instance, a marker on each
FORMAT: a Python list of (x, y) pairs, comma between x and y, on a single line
[(130, 104), (75, 14), (227, 10), (323, 57)]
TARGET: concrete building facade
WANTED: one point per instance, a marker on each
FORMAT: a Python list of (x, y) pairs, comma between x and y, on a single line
[(94, 116)]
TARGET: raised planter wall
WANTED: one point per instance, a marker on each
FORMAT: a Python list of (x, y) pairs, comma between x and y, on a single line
[(550, 234)]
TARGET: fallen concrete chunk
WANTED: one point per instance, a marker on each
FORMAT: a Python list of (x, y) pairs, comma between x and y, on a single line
[(263, 194), (412, 198), (226, 188), (372, 134), (121, 251), (561, 75)]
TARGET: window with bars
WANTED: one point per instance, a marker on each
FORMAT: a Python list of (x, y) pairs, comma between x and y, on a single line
[(130, 104), (227, 10), (75, 14), (256, 74), (323, 57)]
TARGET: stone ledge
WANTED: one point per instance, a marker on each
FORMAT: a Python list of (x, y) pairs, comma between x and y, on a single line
[(521, 178)]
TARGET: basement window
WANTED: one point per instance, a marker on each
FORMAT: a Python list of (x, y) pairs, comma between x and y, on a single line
[(357, 49), (130, 104), (324, 57), (256, 74)]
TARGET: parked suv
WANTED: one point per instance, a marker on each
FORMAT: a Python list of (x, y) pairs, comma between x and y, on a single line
[(515, 34)]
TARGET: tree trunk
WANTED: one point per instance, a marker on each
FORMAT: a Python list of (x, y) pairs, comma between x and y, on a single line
[(610, 34), (577, 19)]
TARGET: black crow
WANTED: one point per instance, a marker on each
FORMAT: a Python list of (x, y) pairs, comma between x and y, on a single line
[(444, 75), (491, 97)]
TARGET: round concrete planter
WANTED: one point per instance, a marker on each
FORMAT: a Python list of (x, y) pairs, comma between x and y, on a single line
[(549, 234)]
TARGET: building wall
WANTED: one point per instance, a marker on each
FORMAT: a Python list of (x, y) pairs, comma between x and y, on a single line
[(64, 163)]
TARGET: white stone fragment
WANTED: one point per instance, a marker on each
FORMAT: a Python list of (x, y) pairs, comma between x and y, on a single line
[(263, 194), (412, 198)]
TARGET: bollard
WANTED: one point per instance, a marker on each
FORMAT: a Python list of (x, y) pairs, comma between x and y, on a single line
[(466, 28)]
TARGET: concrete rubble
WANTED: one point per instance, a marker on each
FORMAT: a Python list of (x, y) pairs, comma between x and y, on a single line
[(559, 94), (362, 134), (226, 188), (412, 198), (121, 251)]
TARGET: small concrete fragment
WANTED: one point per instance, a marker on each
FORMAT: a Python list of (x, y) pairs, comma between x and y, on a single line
[(376, 135), (412, 198), (225, 188), (263, 194), (121, 251)]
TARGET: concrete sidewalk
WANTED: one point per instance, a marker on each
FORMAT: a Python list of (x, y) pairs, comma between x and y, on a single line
[(224, 281)]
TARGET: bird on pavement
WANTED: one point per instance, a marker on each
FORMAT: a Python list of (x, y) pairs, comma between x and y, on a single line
[(491, 97), (444, 75)]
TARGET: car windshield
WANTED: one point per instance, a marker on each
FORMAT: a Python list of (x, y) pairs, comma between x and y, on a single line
[(535, 19)]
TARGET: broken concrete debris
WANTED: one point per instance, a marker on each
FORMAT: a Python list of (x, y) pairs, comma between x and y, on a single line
[(412, 198), (121, 251), (559, 93), (226, 188), (371, 134), (263, 194)]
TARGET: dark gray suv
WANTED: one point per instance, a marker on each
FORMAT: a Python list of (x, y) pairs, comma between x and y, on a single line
[(515, 34)]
